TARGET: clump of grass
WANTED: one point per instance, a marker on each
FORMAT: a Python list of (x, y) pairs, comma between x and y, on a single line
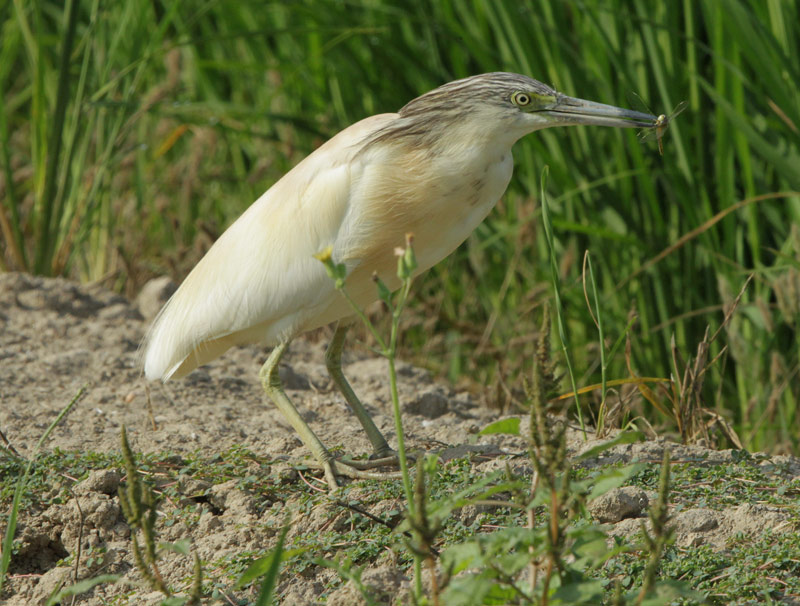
[(684, 391)]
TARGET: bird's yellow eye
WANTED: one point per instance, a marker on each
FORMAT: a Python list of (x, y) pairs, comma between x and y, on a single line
[(520, 99)]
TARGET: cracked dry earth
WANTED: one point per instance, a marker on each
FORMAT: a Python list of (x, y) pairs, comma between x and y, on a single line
[(56, 336)]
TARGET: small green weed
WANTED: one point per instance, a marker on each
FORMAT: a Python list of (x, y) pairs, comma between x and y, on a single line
[(139, 505)]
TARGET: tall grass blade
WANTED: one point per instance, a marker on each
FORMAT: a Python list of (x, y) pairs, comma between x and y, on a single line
[(562, 327)]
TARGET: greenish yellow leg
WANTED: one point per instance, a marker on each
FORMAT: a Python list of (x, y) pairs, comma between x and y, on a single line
[(271, 382), (333, 360)]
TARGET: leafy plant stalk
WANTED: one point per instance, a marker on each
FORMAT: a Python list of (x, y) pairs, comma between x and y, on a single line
[(406, 265), (657, 542), (139, 505), (594, 310)]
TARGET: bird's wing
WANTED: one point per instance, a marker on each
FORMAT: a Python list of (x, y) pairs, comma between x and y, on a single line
[(260, 281)]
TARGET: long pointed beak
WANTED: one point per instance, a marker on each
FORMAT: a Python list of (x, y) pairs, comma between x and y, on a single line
[(569, 110)]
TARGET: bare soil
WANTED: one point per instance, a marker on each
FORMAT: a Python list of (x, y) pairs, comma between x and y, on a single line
[(57, 336)]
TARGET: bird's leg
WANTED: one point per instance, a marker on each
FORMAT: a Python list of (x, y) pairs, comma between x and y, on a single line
[(270, 380), (333, 360)]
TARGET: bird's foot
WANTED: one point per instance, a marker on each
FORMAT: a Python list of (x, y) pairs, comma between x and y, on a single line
[(387, 458), (384, 453), (356, 470)]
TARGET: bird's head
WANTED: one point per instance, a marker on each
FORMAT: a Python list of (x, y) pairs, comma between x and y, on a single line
[(502, 105)]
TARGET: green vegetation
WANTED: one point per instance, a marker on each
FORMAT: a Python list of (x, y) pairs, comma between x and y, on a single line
[(132, 133), (473, 525)]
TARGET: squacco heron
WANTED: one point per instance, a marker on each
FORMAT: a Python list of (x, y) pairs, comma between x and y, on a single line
[(434, 169)]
